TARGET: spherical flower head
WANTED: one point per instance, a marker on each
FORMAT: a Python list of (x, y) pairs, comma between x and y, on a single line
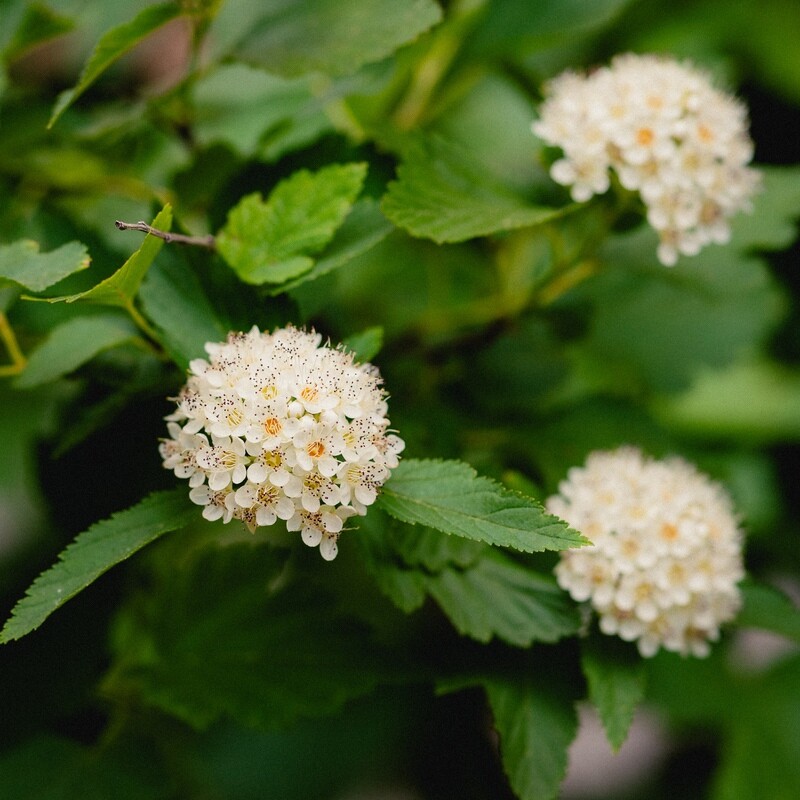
[(667, 133), (285, 427), (666, 552)]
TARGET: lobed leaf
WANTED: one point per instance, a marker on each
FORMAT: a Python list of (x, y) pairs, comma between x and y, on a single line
[(498, 597), (112, 45), (536, 726), (364, 228), (22, 263), (428, 550), (71, 345), (272, 241), (449, 496), (93, 553), (482, 591), (441, 194)]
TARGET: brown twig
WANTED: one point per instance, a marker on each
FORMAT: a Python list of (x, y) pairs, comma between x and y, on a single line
[(198, 241)]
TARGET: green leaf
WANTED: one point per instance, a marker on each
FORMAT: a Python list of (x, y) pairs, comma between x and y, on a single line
[(428, 550), (364, 228), (173, 299), (769, 609), (273, 241), (536, 726), (759, 754), (440, 194), (120, 288), (450, 497), (47, 767), (112, 45), (94, 552), (778, 67), (693, 691), (507, 152), (390, 551), (755, 400), (366, 344), (336, 37), (772, 224), (38, 24), (515, 27), (22, 263), (72, 344), (482, 591), (616, 677), (255, 113), (498, 597), (222, 639), (665, 324)]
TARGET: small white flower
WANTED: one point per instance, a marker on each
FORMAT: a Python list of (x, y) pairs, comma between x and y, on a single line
[(321, 528), (667, 133), (268, 502), (281, 426), (666, 555), (224, 461), (360, 482), (216, 504)]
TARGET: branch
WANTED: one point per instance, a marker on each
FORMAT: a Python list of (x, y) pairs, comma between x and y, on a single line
[(198, 241), (8, 338)]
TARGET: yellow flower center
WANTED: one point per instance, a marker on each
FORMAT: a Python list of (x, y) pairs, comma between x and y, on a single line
[(705, 134), (273, 458), (645, 137), (315, 449), (668, 532), (310, 394), (273, 426), (267, 495)]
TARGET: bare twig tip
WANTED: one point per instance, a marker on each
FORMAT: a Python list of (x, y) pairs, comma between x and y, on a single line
[(198, 241)]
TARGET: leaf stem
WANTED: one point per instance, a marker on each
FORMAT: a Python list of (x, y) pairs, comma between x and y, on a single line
[(18, 360), (208, 242), (432, 68), (565, 280), (141, 322)]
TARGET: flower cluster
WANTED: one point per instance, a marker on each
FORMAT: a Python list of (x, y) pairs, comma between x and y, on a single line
[(281, 426), (666, 553), (667, 133)]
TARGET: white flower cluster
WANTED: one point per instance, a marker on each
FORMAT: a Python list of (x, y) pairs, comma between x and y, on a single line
[(667, 133), (280, 426), (666, 553)]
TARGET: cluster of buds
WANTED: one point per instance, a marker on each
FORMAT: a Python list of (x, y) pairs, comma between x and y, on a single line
[(666, 554), (281, 426), (667, 134)]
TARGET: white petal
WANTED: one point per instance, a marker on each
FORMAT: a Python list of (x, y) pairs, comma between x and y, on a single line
[(328, 548), (311, 536)]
